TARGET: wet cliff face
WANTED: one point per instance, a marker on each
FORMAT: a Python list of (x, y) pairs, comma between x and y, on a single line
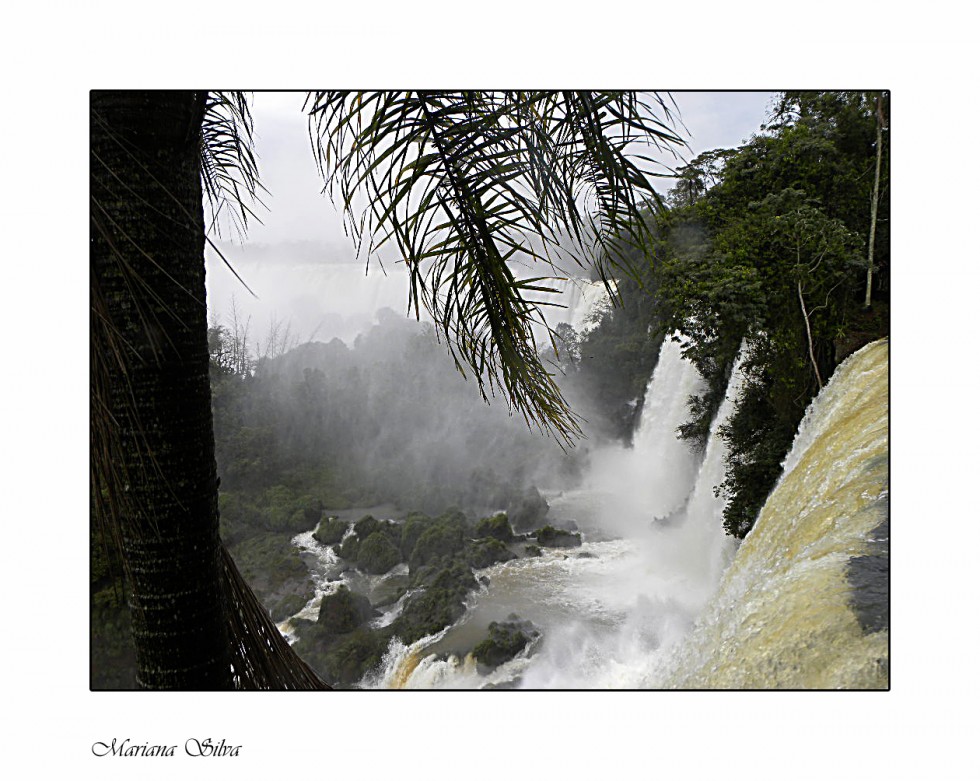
[(805, 602)]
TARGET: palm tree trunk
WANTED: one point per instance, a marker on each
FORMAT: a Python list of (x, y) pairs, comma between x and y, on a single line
[(152, 440)]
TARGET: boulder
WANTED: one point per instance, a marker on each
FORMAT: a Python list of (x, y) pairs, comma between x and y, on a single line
[(505, 640), (441, 604), (486, 552), (550, 537), (440, 540), (343, 611), (365, 527), (330, 531), (377, 554), (288, 606)]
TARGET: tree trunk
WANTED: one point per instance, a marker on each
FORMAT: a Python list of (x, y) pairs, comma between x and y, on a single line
[(809, 334), (874, 205), (152, 434)]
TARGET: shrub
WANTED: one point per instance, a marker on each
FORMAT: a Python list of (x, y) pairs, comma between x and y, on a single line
[(497, 527), (330, 531), (365, 527), (415, 524), (437, 541), (348, 549), (377, 554)]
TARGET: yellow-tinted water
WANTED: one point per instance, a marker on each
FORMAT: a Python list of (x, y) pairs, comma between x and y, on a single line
[(783, 616)]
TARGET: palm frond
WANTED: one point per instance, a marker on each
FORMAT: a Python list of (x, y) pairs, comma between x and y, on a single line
[(229, 168), (471, 186)]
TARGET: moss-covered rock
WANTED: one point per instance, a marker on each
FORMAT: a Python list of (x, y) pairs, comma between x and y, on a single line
[(365, 527), (550, 537), (330, 531), (289, 605), (440, 540), (505, 640), (347, 550), (486, 552), (350, 660), (532, 551), (497, 526), (343, 611), (441, 604), (377, 554), (342, 660)]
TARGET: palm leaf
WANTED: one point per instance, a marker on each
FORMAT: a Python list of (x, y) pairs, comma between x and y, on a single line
[(229, 169), (470, 187)]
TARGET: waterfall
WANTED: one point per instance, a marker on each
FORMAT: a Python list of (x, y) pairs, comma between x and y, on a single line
[(585, 301), (608, 611), (804, 603), (699, 544), (654, 478)]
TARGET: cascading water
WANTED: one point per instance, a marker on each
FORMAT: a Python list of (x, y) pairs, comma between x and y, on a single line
[(805, 602), (653, 552), (586, 300), (652, 479)]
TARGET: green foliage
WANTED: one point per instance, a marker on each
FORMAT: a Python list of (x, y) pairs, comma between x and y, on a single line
[(486, 552), (365, 527), (288, 606), (377, 554), (348, 661), (766, 246), (273, 567), (617, 356), (496, 526), (342, 660), (438, 541), (415, 523), (348, 549), (330, 531)]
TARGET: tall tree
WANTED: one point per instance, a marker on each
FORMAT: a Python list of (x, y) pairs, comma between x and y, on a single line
[(152, 443), (463, 183), (875, 193)]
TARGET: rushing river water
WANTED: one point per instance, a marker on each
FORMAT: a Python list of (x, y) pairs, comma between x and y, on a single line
[(657, 596)]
